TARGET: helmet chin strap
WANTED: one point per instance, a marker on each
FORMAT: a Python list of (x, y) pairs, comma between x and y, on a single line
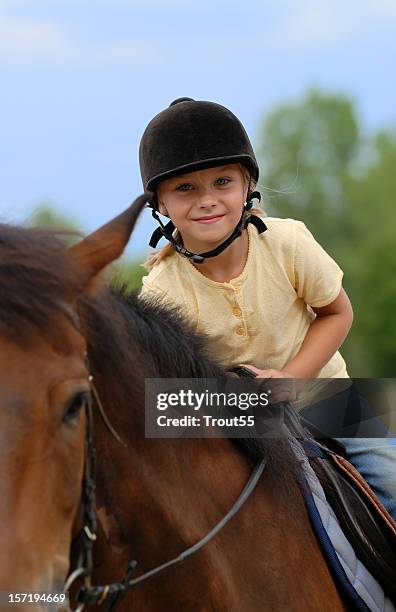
[(167, 230)]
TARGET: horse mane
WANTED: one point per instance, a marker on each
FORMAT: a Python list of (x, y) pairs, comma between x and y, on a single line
[(134, 338), (36, 279)]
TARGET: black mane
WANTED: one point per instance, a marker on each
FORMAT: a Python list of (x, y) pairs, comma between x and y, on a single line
[(165, 335)]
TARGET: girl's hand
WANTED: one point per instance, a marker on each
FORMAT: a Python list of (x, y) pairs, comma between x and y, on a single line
[(267, 373), (280, 390)]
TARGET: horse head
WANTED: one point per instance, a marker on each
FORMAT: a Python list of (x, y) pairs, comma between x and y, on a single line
[(45, 386)]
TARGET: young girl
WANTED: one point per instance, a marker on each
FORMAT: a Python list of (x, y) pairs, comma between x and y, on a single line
[(263, 290)]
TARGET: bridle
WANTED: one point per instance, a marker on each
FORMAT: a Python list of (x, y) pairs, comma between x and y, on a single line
[(114, 592)]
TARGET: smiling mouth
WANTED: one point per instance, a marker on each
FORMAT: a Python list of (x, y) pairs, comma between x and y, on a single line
[(209, 219)]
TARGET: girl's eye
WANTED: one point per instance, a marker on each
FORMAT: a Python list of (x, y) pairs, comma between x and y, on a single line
[(188, 186)]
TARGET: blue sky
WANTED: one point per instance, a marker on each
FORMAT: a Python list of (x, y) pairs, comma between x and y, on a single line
[(80, 81)]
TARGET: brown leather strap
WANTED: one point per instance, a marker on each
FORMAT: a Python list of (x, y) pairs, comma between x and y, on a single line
[(358, 480)]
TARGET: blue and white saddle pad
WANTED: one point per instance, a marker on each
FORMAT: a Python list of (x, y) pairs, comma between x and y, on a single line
[(360, 590)]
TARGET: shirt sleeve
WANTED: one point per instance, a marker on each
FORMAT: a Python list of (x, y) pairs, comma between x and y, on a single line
[(152, 292), (318, 278)]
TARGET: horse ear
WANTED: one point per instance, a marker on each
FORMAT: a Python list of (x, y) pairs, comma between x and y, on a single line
[(92, 254)]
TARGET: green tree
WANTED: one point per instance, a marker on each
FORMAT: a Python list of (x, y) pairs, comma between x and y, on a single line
[(128, 273), (370, 260), (45, 215), (318, 167), (306, 152)]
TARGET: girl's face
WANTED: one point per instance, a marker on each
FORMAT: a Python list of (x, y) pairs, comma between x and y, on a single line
[(205, 205)]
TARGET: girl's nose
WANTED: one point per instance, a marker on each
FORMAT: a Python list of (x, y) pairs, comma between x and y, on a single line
[(206, 200)]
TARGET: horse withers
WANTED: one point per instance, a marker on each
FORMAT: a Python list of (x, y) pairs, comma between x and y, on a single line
[(59, 325)]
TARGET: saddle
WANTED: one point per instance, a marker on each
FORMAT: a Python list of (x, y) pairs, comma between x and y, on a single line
[(370, 528)]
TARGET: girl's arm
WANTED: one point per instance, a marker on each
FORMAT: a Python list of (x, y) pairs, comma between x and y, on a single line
[(324, 337)]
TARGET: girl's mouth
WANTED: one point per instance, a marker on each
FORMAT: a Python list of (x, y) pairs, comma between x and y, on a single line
[(209, 219)]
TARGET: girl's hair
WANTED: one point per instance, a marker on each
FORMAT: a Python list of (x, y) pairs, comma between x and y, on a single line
[(156, 256)]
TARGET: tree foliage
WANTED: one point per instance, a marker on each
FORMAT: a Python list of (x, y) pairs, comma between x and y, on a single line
[(317, 166)]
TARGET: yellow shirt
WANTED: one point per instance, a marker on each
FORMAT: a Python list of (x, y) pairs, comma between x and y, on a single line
[(262, 316)]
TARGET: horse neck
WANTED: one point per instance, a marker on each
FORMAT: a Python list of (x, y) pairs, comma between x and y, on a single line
[(153, 491), (168, 479), (163, 494)]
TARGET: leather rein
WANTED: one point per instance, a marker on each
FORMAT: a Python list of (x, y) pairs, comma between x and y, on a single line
[(114, 592)]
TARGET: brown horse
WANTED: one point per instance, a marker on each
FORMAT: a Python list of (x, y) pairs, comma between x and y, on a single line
[(155, 498)]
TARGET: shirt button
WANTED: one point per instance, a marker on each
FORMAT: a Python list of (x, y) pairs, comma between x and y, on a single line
[(237, 312), (237, 289), (240, 331)]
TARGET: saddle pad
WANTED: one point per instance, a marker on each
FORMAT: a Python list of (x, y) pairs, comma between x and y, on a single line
[(355, 583)]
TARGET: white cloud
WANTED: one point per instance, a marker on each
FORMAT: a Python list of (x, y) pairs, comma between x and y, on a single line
[(21, 39), (123, 52), (318, 23), (27, 41), (307, 24), (53, 4), (385, 7)]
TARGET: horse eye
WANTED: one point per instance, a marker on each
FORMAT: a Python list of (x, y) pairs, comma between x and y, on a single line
[(75, 406)]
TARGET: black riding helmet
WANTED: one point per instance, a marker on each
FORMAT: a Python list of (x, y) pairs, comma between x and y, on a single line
[(193, 135)]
